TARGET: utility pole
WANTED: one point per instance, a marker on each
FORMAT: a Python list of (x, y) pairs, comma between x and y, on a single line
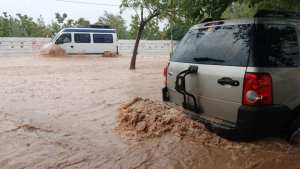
[(172, 42)]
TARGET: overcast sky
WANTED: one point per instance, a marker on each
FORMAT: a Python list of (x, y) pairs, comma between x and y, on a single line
[(89, 9)]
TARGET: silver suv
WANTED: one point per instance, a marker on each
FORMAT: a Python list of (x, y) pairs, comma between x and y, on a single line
[(240, 77)]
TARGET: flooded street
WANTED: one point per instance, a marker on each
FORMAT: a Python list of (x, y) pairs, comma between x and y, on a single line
[(62, 113)]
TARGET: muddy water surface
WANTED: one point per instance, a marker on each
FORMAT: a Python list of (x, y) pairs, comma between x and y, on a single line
[(62, 113)]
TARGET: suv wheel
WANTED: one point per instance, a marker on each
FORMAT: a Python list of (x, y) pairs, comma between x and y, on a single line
[(295, 138)]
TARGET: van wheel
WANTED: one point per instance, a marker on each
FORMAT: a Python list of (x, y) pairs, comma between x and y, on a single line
[(295, 133)]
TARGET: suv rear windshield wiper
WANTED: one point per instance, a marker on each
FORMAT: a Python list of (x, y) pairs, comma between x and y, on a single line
[(203, 59)]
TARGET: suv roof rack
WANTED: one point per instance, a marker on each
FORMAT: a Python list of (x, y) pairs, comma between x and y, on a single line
[(281, 14)]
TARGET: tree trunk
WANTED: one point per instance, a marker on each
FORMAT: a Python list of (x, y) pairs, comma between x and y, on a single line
[(136, 46)]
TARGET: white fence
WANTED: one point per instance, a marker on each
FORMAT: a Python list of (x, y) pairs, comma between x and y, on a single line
[(21, 46), (29, 46)]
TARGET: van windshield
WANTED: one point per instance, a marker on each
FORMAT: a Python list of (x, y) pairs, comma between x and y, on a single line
[(275, 46), (54, 37), (221, 45)]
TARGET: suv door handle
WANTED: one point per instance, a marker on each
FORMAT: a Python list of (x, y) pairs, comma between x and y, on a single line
[(228, 81)]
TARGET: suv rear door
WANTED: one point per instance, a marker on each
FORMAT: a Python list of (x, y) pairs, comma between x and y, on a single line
[(221, 54)]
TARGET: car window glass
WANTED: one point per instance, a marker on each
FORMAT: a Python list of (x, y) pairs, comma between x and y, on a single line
[(82, 38), (64, 38), (103, 38), (275, 46), (220, 45)]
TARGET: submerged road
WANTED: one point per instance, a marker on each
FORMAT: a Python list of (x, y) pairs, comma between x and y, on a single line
[(60, 113)]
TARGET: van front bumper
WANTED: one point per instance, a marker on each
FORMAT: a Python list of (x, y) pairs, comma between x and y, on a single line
[(258, 122)]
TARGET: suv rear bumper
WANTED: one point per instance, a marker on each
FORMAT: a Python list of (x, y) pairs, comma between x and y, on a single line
[(258, 122), (252, 122)]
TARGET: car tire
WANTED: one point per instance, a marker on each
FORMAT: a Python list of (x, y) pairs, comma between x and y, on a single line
[(295, 133)]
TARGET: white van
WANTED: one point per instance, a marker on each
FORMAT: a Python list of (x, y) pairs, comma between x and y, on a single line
[(87, 40)]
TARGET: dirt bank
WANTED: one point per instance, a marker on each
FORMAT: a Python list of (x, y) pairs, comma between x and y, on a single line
[(61, 113)]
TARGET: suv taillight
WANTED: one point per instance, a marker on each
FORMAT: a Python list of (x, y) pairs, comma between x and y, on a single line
[(165, 73), (257, 89)]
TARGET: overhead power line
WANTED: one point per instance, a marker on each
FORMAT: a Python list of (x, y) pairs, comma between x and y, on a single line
[(88, 3)]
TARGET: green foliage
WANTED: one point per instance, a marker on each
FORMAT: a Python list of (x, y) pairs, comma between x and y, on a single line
[(289, 5), (61, 22), (239, 10), (134, 26), (115, 21), (182, 14), (25, 26), (179, 30), (147, 9), (196, 10), (22, 25), (151, 31), (248, 8), (81, 22)]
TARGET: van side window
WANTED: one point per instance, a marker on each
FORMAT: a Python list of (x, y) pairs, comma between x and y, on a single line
[(103, 38), (64, 38), (275, 46), (82, 38), (220, 45)]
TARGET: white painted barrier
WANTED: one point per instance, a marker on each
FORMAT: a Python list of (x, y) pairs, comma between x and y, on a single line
[(29, 46), (21, 46)]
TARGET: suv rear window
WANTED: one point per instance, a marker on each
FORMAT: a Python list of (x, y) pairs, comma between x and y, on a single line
[(220, 45), (275, 46)]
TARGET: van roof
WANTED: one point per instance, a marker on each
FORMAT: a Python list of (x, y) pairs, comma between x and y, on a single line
[(89, 30)]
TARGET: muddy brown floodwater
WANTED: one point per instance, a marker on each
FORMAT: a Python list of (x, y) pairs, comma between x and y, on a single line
[(63, 113)]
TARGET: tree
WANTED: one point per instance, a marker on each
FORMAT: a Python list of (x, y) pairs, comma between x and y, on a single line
[(193, 11), (290, 5), (239, 10), (81, 22), (248, 8), (59, 23), (60, 18), (134, 26), (115, 21), (151, 31), (147, 9), (4, 24), (178, 31)]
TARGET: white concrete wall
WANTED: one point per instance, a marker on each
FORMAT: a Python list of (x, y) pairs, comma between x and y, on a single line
[(21, 46), (29, 46)]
